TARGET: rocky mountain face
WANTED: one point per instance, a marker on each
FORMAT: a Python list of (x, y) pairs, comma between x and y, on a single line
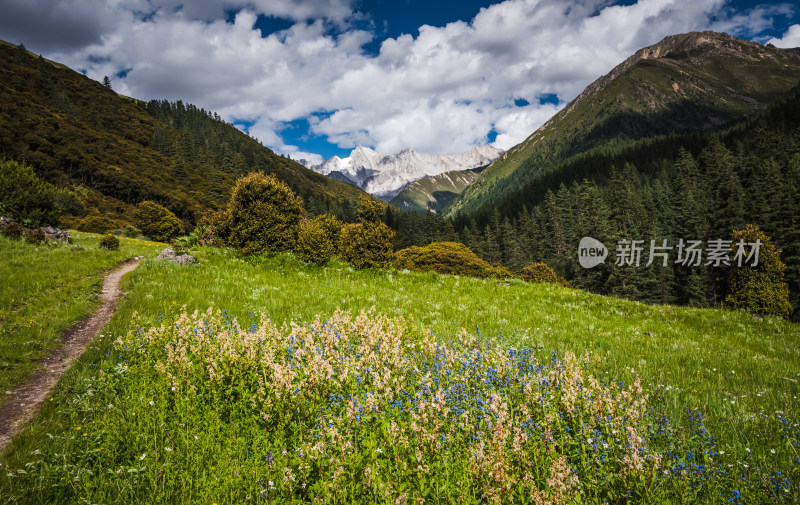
[(685, 83), (384, 175), (436, 192)]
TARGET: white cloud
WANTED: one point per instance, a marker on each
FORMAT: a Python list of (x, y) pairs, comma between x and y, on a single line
[(790, 39), (442, 91)]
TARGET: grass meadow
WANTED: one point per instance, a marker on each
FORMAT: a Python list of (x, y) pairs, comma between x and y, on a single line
[(44, 290), (536, 401)]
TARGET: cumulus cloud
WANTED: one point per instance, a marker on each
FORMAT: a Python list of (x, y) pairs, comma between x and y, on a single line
[(441, 91), (790, 39)]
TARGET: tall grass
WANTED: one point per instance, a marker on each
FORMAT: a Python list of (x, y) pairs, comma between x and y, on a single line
[(722, 388)]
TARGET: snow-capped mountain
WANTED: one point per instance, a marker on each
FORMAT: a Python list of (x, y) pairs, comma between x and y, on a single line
[(384, 175)]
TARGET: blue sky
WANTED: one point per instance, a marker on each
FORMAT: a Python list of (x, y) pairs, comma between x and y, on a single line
[(315, 78)]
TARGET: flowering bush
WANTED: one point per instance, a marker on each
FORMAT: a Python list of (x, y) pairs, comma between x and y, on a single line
[(109, 242), (156, 221), (367, 407), (541, 272), (446, 258), (318, 238)]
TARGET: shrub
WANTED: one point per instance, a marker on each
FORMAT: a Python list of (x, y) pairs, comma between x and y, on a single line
[(27, 196), (157, 222), (185, 243), (761, 289), (369, 210), (109, 242), (13, 230), (131, 232), (263, 215), (367, 244), (96, 223), (541, 272), (34, 236), (210, 228), (318, 238), (446, 258)]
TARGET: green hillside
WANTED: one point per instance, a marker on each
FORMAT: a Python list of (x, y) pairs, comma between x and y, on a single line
[(685, 83), (435, 192), (115, 152)]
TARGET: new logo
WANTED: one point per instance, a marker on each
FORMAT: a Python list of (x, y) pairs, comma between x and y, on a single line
[(591, 252)]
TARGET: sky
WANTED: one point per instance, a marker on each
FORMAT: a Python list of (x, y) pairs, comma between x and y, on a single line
[(313, 78)]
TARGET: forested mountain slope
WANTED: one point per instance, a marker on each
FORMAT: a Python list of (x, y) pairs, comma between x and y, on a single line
[(115, 152), (685, 83)]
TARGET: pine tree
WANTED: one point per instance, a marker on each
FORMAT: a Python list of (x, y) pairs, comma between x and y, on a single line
[(555, 228), (491, 249)]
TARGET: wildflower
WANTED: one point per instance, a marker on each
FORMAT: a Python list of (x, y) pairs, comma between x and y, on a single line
[(747, 449), (168, 449), (144, 455), (151, 402), (772, 451)]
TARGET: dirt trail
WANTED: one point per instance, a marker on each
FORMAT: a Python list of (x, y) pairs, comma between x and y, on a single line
[(28, 397)]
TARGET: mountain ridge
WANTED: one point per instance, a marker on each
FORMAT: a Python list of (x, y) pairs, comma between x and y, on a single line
[(385, 175), (434, 193), (686, 82)]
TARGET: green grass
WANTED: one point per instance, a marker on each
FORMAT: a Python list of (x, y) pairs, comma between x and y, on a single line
[(739, 372), (46, 289)]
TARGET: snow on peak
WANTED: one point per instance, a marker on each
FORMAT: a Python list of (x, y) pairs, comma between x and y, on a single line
[(384, 175)]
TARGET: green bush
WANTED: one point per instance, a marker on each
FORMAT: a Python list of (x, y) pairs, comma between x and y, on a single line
[(318, 238), (131, 232), (157, 222), (446, 258), (109, 242), (34, 236), (761, 289), (541, 272), (13, 231), (369, 210), (27, 196), (366, 245), (263, 215), (96, 223)]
